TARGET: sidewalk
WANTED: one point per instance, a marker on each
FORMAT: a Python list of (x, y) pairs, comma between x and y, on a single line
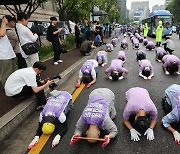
[(15, 111), (8, 103)]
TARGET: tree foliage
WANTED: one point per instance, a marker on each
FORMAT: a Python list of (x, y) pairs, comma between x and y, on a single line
[(78, 9), (174, 8), (29, 8)]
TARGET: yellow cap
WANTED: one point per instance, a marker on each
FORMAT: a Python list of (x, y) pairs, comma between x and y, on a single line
[(48, 128)]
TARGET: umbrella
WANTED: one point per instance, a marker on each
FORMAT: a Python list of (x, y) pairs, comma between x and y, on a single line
[(99, 13), (13, 2)]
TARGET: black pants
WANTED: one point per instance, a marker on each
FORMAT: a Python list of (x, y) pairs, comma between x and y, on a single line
[(27, 92), (78, 41), (21, 61), (57, 50), (167, 49), (167, 108), (88, 50)]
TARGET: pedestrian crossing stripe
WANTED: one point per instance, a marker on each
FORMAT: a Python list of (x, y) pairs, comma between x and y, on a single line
[(44, 138)]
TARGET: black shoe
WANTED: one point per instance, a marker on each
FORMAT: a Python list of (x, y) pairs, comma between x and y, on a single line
[(39, 108)]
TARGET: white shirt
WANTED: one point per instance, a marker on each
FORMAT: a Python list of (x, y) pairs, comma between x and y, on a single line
[(25, 36), (6, 50), (93, 72), (18, 79), (170, 44)]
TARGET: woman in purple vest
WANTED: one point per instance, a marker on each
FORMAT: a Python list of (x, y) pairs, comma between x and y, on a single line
[(160, 53), (171, 105), (140, 55), (171, 64), (53, 117), (136, 44), (109, 47), (87, 73), (114, 42), (98, 114), (116, 71), (140, 112), (101, 58), (145, 42), (146, 70), (124, 44), (150, 46), (122, 56)]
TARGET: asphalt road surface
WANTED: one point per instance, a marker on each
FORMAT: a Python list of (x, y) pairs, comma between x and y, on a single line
[(163, 142)]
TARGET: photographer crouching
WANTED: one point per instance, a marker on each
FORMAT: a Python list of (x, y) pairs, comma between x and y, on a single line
[(24, 82)]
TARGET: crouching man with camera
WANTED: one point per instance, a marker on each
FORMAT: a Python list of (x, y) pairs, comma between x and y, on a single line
[(24, 82)]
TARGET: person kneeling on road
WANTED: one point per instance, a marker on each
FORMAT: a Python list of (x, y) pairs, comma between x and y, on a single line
[(122, 56), (169, 45), (160, 53), (114, 42), (145, 42), (109, 47), (25, 81), (101, 104), (139, 110), (171, 64), (52, 119), (87, 73), (171, 105), (116, 71), (146, 69), (140, 55), (101, 58), (86, 47), (150, 46)]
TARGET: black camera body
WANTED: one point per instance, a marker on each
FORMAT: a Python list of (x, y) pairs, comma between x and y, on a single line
[(54, 85)]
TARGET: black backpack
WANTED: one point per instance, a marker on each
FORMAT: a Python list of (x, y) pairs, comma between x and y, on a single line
[(48, 35)]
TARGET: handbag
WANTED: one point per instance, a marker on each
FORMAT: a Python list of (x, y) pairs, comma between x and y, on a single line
[(30, 47)]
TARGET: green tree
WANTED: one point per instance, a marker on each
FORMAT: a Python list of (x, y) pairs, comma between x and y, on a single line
[(30, 7), (174, 8), (73, 9)]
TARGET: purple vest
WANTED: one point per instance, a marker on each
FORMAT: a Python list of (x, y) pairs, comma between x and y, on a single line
[(57, 105), (87, 67), (150, 44), (100, 55), (108, 47), (145, 42), (95, 111)]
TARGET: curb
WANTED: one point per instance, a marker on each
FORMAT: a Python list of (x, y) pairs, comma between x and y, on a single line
[(11, 120)]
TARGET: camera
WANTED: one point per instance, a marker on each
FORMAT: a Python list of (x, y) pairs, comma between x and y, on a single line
[(54, 85)]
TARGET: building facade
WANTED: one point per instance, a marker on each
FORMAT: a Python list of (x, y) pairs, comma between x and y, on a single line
[(43, 13), (122, 6), (139, 10), (158, 7)]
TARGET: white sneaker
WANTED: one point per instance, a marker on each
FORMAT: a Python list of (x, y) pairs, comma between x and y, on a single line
[(55, 63), (60, 61)]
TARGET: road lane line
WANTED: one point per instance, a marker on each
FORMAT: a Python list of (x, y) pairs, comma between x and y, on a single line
[(77, 92), (44, 138)]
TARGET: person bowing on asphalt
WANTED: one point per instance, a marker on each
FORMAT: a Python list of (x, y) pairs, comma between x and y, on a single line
[(53, 117), (116, 71), (146, 70), (171, 105), (87, 73), (101, 58), (140, 113), (171, 64), (98, 114)]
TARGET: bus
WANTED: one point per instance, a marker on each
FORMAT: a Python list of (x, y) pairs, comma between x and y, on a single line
[(153, 19)]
